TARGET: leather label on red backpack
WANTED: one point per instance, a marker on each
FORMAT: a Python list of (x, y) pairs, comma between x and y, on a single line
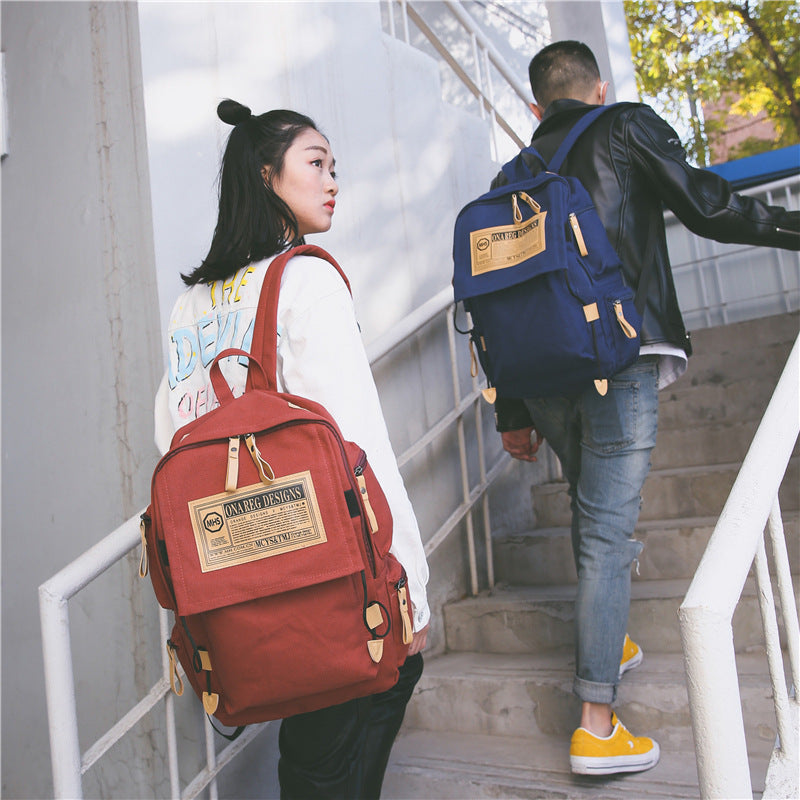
[(256, 522)]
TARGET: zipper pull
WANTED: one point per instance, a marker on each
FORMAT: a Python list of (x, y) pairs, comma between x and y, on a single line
[(362, 487), (264, 469), (576, 229), (232, 472), (143, 563), (402, 596), (175, 680), (627, 328), (515, 208), (535, 207), (473, 361)]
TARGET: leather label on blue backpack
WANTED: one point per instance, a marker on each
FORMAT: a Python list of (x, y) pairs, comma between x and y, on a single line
[(506, 246), (256, 522)]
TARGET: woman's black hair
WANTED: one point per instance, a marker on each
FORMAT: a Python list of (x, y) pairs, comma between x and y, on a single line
[(253, 222)]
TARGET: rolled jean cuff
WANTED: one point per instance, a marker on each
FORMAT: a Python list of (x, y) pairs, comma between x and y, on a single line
[(591, 692)]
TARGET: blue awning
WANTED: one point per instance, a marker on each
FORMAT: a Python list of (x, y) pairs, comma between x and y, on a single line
[(761, 168)]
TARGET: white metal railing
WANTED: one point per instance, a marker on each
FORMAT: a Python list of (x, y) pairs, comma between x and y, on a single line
[(484, 56), (68, 763), (707, 611)]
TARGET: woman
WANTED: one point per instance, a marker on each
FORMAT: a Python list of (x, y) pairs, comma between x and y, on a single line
[(277, 184)]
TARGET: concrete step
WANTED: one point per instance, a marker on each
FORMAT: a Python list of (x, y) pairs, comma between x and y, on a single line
[(709, 444), (529, 620), (459, 766), (739, 360), (745, 338), (684, 404), (524, 704), (672, 550), (669, 494)]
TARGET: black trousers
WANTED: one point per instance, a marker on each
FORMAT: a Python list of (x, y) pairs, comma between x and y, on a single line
[(341, 752)]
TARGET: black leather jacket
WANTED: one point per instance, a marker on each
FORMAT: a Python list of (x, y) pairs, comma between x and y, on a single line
[(633, 165)]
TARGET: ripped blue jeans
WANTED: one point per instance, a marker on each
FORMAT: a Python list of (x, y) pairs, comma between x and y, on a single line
[(604, 445)]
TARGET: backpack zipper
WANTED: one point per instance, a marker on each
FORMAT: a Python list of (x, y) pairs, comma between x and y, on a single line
[(358, 471), (576, 230), (627, 328), (402, 597)]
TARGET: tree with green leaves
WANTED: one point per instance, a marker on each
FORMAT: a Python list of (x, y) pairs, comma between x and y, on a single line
[(692, 55)]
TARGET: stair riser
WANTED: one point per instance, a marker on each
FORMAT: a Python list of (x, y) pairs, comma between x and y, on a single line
[(702, 446), (667, 496), (669, 553), (690, 406), (546, 625), (747, 340), (504, 705)]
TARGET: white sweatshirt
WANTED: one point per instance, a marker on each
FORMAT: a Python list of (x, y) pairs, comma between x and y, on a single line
[(320, 356)]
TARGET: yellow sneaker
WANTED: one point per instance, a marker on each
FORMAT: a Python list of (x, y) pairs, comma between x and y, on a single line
[(619, 752), (631, 655)]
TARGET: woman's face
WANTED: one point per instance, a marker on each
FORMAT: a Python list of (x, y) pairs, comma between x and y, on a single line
[(307, 182)]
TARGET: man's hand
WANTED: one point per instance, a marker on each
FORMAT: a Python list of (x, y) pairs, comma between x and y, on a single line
[(519, 444)]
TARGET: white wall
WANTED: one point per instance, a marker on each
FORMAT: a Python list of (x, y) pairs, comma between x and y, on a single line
[(406, 162), (79, 360), (602, 26), (80, 318)]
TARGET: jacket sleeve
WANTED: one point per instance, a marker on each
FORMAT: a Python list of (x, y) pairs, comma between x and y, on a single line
[(701, 199)]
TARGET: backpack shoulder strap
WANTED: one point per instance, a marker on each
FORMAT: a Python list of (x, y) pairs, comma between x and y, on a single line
[(517, 170), (265, 328)]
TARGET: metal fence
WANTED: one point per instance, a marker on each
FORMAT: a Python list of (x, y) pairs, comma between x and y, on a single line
[(473, 71), (718, 284)]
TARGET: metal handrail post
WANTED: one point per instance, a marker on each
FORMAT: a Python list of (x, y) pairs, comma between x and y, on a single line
[(783, 573), (390, 7), (706, 613), (715, 705), (404, 14), (169, 712), (769, 621), (462, 450), (60, 694)]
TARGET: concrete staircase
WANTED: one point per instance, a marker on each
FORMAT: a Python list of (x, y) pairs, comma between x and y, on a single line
[(492, 716)]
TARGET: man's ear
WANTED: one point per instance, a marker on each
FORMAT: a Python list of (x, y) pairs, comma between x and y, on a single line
[(538, 111), (603, 91)]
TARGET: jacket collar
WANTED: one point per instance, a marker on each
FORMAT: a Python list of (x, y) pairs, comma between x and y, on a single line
[(558, 106), (561, 113)]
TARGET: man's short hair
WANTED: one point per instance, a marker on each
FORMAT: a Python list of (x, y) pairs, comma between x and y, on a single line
[(561, 70)]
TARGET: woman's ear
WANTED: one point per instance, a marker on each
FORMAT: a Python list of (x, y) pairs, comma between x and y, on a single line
[(265, 173)]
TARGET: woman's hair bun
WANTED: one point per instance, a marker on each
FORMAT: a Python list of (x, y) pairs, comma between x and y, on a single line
[(232, 112)]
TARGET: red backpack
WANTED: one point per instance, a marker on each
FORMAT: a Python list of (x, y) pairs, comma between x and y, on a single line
[(268, 535)]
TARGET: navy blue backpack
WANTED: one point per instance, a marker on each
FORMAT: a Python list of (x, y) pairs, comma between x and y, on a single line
[(551, 312)]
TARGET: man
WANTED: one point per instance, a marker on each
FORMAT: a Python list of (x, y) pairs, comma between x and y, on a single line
[(630, 162)]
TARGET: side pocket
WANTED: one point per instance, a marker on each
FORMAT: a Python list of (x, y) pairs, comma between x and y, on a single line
[(620, 325), (371, 502), (157, 563)]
